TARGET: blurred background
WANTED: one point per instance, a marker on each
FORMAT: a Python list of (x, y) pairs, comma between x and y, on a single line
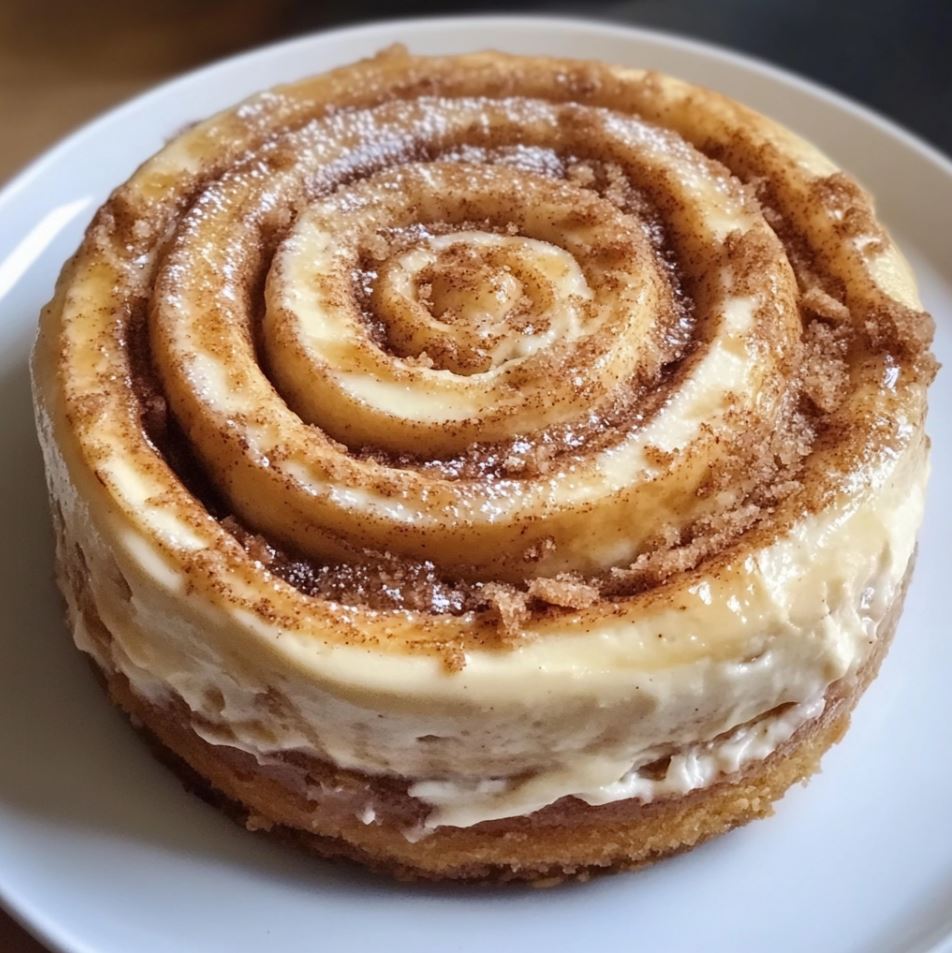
[(63, 62)]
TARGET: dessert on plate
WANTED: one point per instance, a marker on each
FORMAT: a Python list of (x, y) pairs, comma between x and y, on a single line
[(486, 467)]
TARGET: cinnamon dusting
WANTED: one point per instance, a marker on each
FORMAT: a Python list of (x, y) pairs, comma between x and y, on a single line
[(765, 473)]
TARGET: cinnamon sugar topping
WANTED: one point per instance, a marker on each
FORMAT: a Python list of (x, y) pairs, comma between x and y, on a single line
[(465, 340)]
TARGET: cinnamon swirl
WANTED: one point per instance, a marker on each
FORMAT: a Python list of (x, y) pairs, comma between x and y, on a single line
[(484, 466)]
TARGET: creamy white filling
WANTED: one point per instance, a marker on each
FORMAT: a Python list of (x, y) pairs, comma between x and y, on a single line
[(461, 804), (578, 708)]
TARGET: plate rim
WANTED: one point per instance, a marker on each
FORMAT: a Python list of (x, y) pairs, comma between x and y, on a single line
[(20, 909), (925, 149)]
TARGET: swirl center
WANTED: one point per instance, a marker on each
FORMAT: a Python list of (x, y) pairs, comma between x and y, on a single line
[(470, 301)]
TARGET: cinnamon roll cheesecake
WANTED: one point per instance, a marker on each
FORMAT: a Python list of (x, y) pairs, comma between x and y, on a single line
[(486, 467)]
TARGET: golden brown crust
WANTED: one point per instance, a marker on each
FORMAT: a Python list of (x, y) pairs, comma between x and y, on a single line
[(567, 840)]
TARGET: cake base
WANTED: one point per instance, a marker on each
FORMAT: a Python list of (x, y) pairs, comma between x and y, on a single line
[(566, 840)]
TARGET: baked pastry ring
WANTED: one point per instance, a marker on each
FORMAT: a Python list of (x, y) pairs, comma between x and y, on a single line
[(487, 466)]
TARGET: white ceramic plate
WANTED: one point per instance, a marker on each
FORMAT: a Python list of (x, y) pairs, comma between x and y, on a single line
[(101, 851)]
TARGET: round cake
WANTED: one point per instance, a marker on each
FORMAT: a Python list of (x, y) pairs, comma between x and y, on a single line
[(486, 467)]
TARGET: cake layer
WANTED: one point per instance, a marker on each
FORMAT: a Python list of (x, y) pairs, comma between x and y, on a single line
[(337, 813)]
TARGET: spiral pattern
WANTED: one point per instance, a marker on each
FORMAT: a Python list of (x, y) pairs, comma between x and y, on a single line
[(505, 332)]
